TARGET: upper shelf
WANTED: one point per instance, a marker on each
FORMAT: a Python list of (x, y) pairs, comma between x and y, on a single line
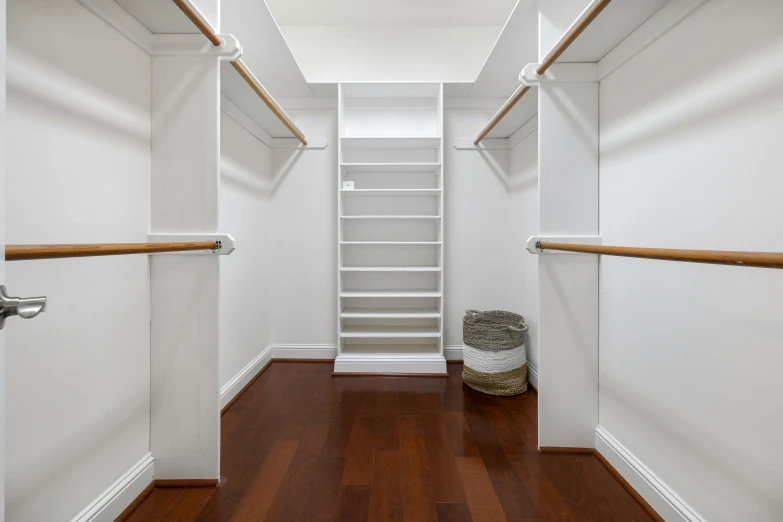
[(164, 17), (516, 46), (526, 108), (264, 52), (613, 25), (584, 41), (383, 142)]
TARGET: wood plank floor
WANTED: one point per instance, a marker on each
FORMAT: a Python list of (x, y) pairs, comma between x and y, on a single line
[(303, 445)]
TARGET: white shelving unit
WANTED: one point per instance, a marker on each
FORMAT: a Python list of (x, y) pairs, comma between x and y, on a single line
[(390, 229)]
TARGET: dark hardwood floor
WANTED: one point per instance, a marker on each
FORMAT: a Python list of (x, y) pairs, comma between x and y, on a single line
[(303, 445)]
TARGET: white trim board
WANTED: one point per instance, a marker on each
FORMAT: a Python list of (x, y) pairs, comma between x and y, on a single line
[(532, 375), (304, 351), (112, 502), (392, 363), (274, 351), (453, 352), (230, 390), (660, 497)]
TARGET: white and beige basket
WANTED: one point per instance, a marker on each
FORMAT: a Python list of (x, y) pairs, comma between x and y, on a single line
[(494, 352)]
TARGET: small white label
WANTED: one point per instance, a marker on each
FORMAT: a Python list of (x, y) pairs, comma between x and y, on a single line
[(347, 185)]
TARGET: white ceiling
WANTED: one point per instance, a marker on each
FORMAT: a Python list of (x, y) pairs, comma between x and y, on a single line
[(391, 12)]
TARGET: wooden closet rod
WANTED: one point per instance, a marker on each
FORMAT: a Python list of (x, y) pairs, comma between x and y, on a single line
[(241, 68), (25, 252), (572, 33), (521, 90), (565, 41), (717, 257)]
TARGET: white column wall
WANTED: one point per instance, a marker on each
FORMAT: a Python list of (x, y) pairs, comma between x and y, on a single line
[(568, 284), (185, 431)]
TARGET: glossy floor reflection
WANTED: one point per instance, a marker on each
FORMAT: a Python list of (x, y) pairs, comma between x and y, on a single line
[(300, 444)]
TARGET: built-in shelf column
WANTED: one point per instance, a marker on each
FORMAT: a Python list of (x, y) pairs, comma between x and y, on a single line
[(390, 221)]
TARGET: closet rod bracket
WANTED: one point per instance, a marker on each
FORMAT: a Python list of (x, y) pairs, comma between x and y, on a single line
[(225, 244), (560, 73), (534, 243), (195, 45)]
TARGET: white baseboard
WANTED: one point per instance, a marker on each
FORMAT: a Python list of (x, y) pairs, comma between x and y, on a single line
[(112, 502), (453, 352), (230, 390), (532, 375), (304, 351), (411, 364), (660, 497)]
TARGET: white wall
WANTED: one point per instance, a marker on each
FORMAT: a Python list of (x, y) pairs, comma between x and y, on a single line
[(690, 354), (390, 53), (489, 217), (304, 236), (78, 171), (523, 224), (245, 275)]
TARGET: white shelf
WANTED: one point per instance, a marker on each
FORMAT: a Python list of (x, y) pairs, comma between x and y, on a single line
[(613, 25), (402, 243), (392, 192), (406, 90), (381, 350), (391, 217), (350, 142), (371, 168), (391, 293), (524, 111), (239, 96), (390, 313), (390, 332), (390, 269)]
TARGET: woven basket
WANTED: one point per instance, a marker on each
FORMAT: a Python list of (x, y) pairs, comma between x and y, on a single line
[(494, 352)]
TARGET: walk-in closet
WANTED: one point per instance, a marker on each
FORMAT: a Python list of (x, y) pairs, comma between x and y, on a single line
[(364, 260)]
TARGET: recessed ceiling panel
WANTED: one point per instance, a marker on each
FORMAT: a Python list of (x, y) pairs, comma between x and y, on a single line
[(391, 12)]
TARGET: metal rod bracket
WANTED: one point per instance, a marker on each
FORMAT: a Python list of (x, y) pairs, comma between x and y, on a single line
[(224, 243), (560, 73), (195, 45), (534, 243)]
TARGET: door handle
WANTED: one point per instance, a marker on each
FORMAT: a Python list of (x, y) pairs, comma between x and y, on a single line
[(24, 307)]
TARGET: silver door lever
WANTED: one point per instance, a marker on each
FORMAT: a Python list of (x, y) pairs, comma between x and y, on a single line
[(24, 307)]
